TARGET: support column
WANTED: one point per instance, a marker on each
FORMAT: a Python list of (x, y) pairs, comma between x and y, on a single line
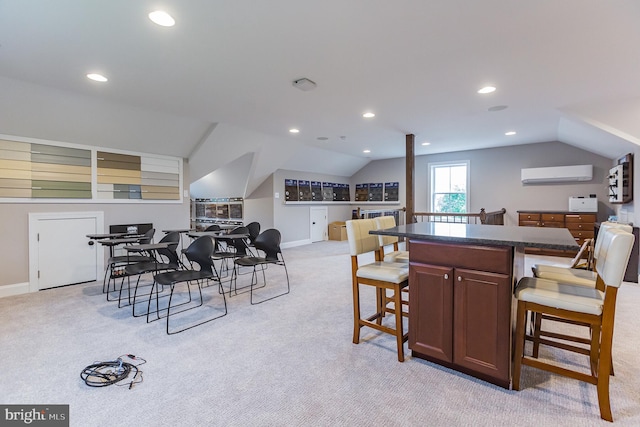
[(410, 172)]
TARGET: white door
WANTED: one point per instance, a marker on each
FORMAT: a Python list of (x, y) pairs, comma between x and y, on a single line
[(63, 255), (319, 224)]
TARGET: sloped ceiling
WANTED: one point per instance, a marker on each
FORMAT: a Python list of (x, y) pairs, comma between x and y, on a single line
[(218, 85)]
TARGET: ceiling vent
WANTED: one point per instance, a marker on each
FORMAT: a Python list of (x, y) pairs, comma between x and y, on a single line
[(304, 84)]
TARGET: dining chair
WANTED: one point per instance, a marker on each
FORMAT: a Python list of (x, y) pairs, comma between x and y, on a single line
[(582, 304)]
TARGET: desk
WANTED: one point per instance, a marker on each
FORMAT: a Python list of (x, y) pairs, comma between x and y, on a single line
[(461, 281), (112, 243), (110, 236)]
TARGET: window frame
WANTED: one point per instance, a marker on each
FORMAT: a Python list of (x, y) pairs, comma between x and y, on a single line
[(431, 180)]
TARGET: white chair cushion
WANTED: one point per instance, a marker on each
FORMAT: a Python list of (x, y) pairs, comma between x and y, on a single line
[(394, 272), (581, 299), (575, 276), (397, 256)]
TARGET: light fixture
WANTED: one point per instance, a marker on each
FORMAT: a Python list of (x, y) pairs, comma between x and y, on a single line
[(97, 77), (368, 115), (294, 130), (426, 143), (497, 108), (304, 84), (322, 138), (511, 132), (366, 151), (487, 89), (162, 18)]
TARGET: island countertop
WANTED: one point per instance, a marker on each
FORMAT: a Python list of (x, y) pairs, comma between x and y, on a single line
[(480, 234)]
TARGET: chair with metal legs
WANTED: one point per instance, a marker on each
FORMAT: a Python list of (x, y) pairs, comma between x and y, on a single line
[(199, 254), (267, 242)]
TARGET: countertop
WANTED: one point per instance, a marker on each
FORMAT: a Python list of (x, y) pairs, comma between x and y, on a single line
[(480, 234)]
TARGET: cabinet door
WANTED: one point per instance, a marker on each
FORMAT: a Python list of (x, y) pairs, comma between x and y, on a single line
[(431, 313), (482, 319)]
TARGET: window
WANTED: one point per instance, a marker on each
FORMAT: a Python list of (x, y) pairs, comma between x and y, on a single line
[(449, 186)]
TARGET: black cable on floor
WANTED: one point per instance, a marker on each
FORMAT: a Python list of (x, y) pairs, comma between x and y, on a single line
[(102, 374)]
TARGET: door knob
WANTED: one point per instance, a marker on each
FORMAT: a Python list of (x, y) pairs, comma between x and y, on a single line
[(91, 242)]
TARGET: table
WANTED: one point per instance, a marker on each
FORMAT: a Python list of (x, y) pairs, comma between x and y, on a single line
[(461, 282), (110, 236), (112, 243)]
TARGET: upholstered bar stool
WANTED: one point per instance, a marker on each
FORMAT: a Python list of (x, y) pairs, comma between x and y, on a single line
[(383, 222), (383, 276), (573, 276), (576, 303), (576, 275)]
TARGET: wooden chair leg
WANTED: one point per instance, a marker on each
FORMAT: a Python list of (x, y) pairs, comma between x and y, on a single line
[(399, 329), (604, 369), (521, 320), (537, 325), (356, 312), (381, 297)]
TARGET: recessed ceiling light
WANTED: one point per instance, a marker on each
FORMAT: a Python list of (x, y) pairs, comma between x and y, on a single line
[(510, 133), (294, 130), (487, 89), (368, 115), (97, 77), (322, 138), (366, 151), (426, 143), (162, 18)]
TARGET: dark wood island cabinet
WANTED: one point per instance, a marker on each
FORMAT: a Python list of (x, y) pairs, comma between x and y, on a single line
[(461, 279)]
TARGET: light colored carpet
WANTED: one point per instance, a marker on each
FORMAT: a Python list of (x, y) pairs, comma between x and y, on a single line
[(289, 361)]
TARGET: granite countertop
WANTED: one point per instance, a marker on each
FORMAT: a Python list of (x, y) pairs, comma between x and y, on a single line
[(531, 237)]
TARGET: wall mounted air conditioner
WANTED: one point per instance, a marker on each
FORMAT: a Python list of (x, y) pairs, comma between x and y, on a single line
[(557, 174)]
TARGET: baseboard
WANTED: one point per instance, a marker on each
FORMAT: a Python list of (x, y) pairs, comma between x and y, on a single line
[(14, 289), (295, 243)]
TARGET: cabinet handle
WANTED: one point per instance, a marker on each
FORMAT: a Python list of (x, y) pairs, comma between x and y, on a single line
[(459, 278), (446, 276)]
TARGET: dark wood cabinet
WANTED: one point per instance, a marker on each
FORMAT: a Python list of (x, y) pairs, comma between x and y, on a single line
[(580, 225), (460, 307)]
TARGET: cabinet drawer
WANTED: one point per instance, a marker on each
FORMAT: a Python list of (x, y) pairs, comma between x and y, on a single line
[(585, 218), (530, 223), (483, 258), (579, 226), (582, 234), (551, 217), (528, 217), (552, 224)]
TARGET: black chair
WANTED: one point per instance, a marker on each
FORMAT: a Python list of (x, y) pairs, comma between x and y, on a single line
[(214, 227), (233, 248), (254, 231), (199, 252), (268, 242), (115, 264), (164, 259)]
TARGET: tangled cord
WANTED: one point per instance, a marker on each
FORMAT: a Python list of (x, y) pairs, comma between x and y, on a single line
[(102, 374)]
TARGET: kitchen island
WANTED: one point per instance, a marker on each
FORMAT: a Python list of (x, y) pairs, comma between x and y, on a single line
[(461, 281)]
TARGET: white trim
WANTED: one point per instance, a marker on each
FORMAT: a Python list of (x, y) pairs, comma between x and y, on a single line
[(14, 289), (33, 240), (295, 243), (430, 167)]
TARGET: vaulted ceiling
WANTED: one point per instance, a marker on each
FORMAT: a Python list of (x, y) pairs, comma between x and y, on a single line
[(218, 85)]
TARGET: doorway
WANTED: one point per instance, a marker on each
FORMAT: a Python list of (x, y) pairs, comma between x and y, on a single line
[(318, 223), (60, 252)]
